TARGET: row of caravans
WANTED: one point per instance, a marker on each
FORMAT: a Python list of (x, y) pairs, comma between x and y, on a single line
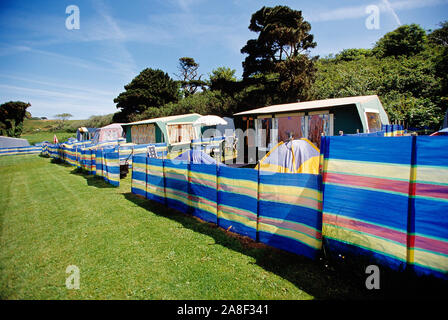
[(364, 114)]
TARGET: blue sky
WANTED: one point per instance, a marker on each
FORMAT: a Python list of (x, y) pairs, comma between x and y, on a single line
[(81, 71)]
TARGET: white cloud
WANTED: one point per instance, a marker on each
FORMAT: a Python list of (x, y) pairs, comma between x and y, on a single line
[(49, 84), (125, 62), (77, 101), (357, 12), (392, 11)]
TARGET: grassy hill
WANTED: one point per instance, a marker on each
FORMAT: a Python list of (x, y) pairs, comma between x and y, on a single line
[(44, 130)]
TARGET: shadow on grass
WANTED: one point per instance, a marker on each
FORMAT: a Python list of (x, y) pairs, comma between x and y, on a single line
[(92, 180), (59, 162), (325, 278)]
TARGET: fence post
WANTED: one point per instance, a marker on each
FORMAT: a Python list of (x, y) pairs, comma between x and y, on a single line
[(258, 200), (217, 191), (119, 164), (164, 182), (146, 171), (410, 239), (190, 207)]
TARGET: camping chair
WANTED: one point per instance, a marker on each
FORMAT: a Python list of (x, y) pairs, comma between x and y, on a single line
[(230, 144), (151, 152), (215, 147)]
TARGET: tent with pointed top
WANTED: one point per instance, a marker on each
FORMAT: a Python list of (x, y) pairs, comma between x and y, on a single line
[(196, 157), (294, 156), (443, 132), (84, 134), (110, 132)]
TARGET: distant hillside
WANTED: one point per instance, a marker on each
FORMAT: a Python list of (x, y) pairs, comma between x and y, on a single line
[(44, 130), (34, 126)]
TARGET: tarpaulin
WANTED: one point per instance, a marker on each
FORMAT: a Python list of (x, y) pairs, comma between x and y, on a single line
[(139, 174), (366, 186), (202, 191), (428, 230), (176, 184), (237, 200), (20, 150), (112, 166), (289, 215), (155, 180)]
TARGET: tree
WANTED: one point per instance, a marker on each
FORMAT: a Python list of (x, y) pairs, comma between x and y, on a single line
[(410, 86), (278, 60), (440, 36), (222, 78), (405, 40), (190, 82), (63, 117), (353, 54), (151, 88), (12, 114)]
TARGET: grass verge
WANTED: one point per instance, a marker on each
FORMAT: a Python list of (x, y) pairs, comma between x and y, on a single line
[(126, 247)]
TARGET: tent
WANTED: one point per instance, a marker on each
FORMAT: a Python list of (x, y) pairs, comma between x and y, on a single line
[(294, 156), (443, 132), (171, 130), (228, 129), (84, 133), (196, 157), (8, 142), (111, 132)]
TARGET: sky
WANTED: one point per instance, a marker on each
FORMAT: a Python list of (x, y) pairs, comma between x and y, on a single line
[(60, 69)]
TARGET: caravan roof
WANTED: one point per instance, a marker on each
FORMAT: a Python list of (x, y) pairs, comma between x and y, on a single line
[(298, 106), (162, 119)]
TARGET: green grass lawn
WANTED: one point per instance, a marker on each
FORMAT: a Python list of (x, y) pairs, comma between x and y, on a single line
[(127, 247), (36, 131), (47, 136)]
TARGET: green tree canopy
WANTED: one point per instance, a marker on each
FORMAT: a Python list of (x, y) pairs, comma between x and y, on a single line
[(440, 36), (410, 86), (190, 81), (12, 114), (405, 40), (222, 78), (353, 54), (151, 88), (278, 60)]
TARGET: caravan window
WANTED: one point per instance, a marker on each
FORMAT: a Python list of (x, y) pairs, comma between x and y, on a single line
[(290, 126), (318, 124), (373, 121), (180, 133), (263, 129), (143, 134)]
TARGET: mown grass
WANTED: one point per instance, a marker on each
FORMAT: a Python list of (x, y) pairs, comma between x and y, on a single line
[(126, 247)]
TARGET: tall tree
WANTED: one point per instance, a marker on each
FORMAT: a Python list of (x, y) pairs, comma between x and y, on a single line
[(410, 86), (12, 114), (279, 59), (150, 89), (405, 40), (222, 78), (190, 82), (63, 117), (439, 37)]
